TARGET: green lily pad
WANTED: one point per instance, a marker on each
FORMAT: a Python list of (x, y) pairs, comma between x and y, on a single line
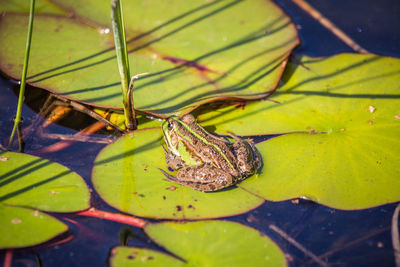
[(22, 227), (205, 243), (348, 108), (133, 256), (29, 184), (190, 63), (127, 176), (22, 6)]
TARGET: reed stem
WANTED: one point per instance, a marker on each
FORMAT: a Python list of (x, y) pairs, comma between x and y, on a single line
[(17, 120), (123, 62)]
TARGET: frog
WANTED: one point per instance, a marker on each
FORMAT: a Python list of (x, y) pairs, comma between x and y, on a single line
[(203, 160)]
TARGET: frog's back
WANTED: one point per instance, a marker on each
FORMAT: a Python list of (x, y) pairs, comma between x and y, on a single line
[(216, 152)]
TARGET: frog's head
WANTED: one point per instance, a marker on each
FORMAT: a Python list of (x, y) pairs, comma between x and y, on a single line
[(174, 128), (170, 131)]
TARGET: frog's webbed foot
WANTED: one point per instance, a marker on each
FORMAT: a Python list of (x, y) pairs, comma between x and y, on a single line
[(234, 137), (168, 176)]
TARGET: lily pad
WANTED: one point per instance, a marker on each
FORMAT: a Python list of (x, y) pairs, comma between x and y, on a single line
[(190, 63), (134, 256), (126, 175), (22, 6), (205, 243), (348, 108), (22, 227), (29, 184)]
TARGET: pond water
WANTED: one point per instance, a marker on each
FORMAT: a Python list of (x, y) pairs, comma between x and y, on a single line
[(345, 238)]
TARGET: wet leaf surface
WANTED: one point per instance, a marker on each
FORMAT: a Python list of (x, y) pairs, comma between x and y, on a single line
[(22, 6), (127, 176), (347, 157), (205, 243), (133, 256), (29, 184), (22, 227), (189, 62)]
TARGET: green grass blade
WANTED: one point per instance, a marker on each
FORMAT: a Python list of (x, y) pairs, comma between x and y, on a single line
[(17, 120)]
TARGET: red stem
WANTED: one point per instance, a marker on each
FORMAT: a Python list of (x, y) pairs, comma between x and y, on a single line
[(8, 258), (117, 217)]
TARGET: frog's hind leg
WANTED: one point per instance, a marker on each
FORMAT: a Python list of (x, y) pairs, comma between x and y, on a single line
[(204, 174), (204, 178), (205, 187), (169, 176), (172, 178), (247, 155)]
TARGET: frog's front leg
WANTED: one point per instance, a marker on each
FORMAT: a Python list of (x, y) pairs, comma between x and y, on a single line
[(204, 178), (174, 162)]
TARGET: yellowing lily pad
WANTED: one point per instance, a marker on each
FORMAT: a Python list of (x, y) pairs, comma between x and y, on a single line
[(348, 108), (29, 185), (205, 243), (190, 62), (118, 119), (127, 176)]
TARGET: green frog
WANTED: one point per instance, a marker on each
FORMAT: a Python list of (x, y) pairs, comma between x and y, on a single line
[(204, 161)]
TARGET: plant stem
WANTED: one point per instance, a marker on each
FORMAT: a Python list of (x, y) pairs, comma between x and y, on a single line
[(395, 235), (8, 258), (116, 217), (17, 120), (130, 90), (123, 61)]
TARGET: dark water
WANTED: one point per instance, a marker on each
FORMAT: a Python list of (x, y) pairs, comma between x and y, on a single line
[(349, 238)]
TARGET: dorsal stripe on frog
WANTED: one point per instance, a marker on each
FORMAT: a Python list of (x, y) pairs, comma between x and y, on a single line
[(202, 139)]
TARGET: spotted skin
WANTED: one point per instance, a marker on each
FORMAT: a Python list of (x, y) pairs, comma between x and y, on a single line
[(212, 162)]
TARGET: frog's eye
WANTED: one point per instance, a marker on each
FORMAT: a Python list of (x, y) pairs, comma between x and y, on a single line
[(170, 126)]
